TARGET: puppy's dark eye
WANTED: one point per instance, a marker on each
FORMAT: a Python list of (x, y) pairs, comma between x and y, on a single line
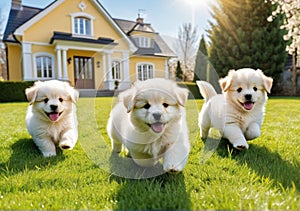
[(60, 99), (255, 88), (166, 105), (239, 90), (147, 106), (46, 100)]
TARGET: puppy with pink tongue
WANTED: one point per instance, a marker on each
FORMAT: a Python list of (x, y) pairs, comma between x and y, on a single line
[(51, 116), (238, 112), (150, 121)]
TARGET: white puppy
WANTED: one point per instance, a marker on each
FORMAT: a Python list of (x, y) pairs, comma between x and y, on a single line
[(51, 116), (150, 121), (238, 112)]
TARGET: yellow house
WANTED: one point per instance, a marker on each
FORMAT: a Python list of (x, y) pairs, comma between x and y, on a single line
[(78, 41)]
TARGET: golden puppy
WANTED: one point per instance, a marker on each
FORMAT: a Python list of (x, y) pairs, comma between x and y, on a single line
[(238, 112), (51, 116), (150, 121)]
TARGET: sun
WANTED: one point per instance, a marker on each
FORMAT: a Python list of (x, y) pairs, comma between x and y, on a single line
[(196, 2)]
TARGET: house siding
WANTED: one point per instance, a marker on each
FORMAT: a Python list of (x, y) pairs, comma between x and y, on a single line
[(15, 62), (51, 33)]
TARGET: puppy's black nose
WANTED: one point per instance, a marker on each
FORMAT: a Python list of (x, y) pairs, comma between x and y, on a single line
[(53, 107), (248, 97), (156, 116)]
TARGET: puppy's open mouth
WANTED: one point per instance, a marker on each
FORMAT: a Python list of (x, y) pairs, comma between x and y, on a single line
[(53, 116), (157, 127), (248, 105)]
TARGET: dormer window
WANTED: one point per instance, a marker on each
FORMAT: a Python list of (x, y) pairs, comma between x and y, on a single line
[(144, 42), (82, 24)]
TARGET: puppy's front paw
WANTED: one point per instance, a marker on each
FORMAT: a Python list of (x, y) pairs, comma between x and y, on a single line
[(243, 146), (65, 145), (170, 168), (48, 154)]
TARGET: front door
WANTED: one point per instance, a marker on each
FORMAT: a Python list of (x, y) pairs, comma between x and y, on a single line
[(84, 72)]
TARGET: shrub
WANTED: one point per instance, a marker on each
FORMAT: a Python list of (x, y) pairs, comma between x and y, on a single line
[(11, 91), (193, 88)]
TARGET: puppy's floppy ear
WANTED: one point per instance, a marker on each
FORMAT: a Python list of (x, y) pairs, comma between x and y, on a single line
[(31, 92), (127, 97), (73, 93), (181, 95), (225, 83), (268, 81)]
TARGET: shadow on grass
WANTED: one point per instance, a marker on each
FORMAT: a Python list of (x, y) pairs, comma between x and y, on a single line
[(147, 188), (26, 156), (164, 192), (265, 163), (125, 167)]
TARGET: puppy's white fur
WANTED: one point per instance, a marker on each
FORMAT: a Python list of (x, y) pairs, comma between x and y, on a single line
[(150, 121), (51, 116), (238, 112)]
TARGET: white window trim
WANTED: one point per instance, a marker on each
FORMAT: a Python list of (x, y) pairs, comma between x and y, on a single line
[(85, 15), (121, 69), (52, 64), (144, 63), (144, 42)]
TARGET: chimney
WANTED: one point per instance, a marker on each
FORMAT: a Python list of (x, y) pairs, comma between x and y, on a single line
[(16, 4), (140, 20)]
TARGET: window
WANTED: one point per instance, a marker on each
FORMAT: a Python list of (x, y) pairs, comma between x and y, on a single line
[(82, 26), (145, 71), (143, 42), (44, 66), (116, 70)]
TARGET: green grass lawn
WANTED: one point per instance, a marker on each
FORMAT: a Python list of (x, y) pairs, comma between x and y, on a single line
[(267, 176)]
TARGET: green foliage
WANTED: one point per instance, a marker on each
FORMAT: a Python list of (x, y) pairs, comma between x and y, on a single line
[(266, 177), (13, 91), (179, 72), (241, 37), (200, 71)]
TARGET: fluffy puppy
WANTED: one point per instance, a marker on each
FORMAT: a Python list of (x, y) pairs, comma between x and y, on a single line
[(51, 116), (150, 121), (238, 112)]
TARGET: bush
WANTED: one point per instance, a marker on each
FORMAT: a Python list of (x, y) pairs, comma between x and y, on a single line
[(11, 91), (193, 88)]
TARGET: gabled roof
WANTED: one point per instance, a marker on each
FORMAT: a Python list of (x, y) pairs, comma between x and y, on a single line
[(16, 19), (20, 20), (129, 26), (159, 48)]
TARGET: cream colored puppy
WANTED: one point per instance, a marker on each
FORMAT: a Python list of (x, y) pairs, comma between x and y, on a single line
[(51, 116), (238, 112), (150, 121)]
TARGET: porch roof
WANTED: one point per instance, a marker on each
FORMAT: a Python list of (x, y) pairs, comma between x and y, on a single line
[(69, 37)]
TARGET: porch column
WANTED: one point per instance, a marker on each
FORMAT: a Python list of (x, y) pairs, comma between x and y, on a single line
[(109, 76), (125, 84), (166, 69), (27, 62), (64, 63), (108, 83), (58, 55), (104, 67)]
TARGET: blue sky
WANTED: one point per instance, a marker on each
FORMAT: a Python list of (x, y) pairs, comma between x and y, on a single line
[(166, 16)]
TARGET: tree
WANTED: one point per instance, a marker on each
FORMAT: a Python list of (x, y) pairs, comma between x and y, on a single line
[(179, 73), (186, 50), (290, 9), (242, 37), (200, 71)]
